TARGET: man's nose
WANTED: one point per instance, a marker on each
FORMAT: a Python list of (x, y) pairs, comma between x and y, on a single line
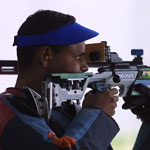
[(84, 67)]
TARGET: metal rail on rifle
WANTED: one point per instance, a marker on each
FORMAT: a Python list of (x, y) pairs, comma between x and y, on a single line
[(8, 67)]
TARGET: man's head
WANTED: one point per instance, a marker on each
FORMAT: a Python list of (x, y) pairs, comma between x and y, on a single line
[(52, 37), (38, 23)]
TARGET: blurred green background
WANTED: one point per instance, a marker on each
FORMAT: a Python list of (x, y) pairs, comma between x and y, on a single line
[(124, 141)]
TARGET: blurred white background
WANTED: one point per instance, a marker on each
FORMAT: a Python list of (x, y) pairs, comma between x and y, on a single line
[(124, 24)]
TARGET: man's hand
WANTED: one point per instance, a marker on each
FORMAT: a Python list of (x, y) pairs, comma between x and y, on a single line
[(139, 105), (106, 100)]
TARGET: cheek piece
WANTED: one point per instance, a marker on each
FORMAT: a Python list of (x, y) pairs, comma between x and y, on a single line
[(65, 35)]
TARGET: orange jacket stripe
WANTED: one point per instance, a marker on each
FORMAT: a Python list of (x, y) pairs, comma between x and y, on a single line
[(62, 142)]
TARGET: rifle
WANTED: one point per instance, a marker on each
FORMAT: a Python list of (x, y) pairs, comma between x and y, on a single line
[(112, 71)]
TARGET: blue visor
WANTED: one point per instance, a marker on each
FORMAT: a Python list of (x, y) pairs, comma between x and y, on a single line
[(66, 35)]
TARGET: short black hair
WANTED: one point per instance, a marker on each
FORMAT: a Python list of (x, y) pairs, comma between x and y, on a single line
[(40, 22)]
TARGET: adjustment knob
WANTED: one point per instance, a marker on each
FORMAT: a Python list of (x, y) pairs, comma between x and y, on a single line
[(116, 78)]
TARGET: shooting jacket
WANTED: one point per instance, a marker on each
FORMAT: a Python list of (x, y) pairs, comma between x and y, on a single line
[(21, 128)]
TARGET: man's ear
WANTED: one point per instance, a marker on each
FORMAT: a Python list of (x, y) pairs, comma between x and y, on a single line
[(46, 55)]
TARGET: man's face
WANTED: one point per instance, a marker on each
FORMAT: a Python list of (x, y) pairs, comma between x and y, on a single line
[(69, 60)]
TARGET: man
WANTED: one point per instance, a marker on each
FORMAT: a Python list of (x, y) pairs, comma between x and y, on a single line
[(52, 42)]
